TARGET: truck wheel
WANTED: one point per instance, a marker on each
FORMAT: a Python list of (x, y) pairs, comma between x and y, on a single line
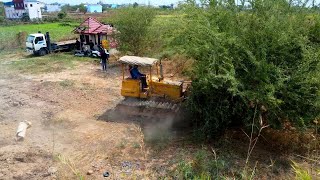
[(42, 52)]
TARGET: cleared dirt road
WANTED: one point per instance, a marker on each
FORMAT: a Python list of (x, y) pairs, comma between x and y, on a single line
[(66, 141)]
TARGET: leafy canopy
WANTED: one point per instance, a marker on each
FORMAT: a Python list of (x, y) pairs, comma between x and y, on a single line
[(133, 24)]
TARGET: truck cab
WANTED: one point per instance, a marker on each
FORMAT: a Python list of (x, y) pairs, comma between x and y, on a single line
[(37, 44), (40, 44)]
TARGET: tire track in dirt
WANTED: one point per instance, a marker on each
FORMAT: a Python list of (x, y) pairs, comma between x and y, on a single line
[(63, 117)]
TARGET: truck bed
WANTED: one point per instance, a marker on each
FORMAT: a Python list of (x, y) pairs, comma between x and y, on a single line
[(61, 43)]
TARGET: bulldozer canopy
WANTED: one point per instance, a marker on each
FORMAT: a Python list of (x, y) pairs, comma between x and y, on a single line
[(135, 60)]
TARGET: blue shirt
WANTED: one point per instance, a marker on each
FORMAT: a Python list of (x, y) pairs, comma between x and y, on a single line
[(135, 73)]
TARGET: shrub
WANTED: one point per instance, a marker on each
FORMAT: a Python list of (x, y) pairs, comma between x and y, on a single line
[(25, 17), (51, 19), (2, 19), (62, 15), (21, 39), (259, 63)]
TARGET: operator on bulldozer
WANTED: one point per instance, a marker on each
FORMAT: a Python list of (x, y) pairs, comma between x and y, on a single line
[(135, 74)]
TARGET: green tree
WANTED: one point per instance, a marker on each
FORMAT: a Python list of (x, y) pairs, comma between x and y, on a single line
[(2, 14), (2, 9), (132, 26), (82, 8), (69, 8)]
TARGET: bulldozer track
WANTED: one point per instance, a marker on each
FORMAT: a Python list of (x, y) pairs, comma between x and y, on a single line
[(141, 110), (153, 104)]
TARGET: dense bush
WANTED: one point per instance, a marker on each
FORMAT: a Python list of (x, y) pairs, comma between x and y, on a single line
[(257, 62)]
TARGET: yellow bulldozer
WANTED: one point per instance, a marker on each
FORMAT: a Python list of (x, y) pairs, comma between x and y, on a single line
[(157, 86), (161, 98)]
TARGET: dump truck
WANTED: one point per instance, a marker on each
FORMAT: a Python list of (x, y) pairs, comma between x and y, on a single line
[(40, 44), (160, 99)]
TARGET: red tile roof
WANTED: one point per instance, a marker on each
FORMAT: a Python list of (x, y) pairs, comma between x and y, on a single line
[(93, 26)]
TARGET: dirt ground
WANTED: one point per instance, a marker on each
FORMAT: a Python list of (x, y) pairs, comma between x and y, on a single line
[(69, 139), (66, 139)]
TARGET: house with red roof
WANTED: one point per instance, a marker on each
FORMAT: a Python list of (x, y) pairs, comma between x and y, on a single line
[(92, 29)]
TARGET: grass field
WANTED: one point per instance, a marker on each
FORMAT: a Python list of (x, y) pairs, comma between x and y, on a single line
[(58, 31), (56, 62)]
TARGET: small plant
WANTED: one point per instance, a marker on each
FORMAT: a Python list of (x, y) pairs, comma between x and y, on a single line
[(300, 172), (185, 170), (64, 160), (122, 144), (66, 83), (203, 166), (136, 145), (253, 140)]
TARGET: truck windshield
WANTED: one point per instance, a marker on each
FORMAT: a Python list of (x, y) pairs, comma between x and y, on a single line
[(30, 39)]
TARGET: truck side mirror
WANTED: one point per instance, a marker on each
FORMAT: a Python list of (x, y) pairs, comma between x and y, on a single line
[(36, 41)]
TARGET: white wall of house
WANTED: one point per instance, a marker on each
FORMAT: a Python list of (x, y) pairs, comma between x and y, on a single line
[(12, 13), (34, 10)]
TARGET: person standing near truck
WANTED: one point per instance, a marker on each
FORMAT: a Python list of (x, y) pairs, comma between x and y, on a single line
[(104, 57), (78, 44), (91, 45), (107, 54)]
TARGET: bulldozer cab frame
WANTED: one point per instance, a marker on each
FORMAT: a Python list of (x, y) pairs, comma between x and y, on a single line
[(133, 87), (157, 87)]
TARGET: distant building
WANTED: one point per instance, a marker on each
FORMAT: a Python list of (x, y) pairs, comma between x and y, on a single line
[(32, 8), (50, 8), (12, 13), (114, 6), (94, 8)]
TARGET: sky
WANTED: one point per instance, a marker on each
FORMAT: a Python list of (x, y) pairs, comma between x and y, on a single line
[(73, 2)]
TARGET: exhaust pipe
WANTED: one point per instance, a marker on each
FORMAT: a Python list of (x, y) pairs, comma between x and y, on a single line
[(48, 42), (161, 71)]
